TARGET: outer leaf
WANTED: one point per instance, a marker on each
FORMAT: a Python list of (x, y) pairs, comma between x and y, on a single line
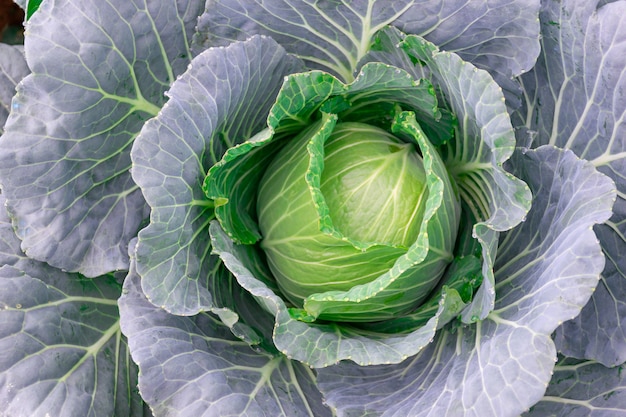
[(500, 366), (223, 99), (12, 69), (583, 389), (332, 36), (575, 99), (63, 352), (501, 35), (65, 160), (494, 200), (193, 366)]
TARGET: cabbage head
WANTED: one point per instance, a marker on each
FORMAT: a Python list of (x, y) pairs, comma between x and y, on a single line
[(350, 202), (340, 205)]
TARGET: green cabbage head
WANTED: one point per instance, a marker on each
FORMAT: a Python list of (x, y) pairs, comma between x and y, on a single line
[(344, 194), (337, 208)]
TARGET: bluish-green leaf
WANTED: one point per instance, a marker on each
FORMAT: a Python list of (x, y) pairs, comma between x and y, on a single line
[(65, 159), (583, 389), (546, 271), (63, 353), (194, 366), (575, 99), (501, 36), (332, 36), (222, 99), (12, 69)]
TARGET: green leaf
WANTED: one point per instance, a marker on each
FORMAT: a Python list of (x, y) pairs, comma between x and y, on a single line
[(414, 273), (65, 158), (298, 104), (319, 344)]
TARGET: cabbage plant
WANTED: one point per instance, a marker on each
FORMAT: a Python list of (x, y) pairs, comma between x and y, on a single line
[(313, 208)]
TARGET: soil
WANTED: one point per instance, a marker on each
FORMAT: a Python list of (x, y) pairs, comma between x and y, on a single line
[(11, 16)]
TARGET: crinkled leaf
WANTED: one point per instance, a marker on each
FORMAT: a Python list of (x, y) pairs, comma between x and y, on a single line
[(65, 162), (575, 99), (500, 366), (222, 99), (501, 36), (385, 49), (12, 69), (484, 139), (583, 389), (233, 181), (194, 366)]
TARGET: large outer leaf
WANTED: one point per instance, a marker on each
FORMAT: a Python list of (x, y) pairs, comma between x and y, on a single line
[(575, 99), (12, 69), (99, 71), (63, 353), (194, 366), (583, 389), (493, 200), (509, 47), (501, 36), (500, 366), (223, 99)]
